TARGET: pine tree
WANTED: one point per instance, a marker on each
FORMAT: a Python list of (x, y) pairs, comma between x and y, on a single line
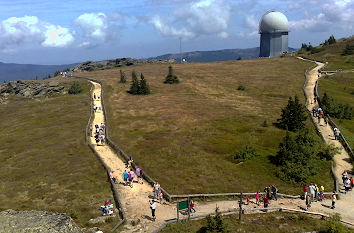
[(171, 78), (134, 87), (293, 116), (143, 86), (123, 79)]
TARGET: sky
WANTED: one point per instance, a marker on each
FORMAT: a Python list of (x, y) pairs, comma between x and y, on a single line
[(63, 32)]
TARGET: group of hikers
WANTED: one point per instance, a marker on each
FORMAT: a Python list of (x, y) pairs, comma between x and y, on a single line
[(348, 182), (99, 133), (107, 208), (313, 193)]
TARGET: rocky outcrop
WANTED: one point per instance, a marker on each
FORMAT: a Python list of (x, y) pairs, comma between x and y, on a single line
[(31, 88), (119, 62), (36, 221)]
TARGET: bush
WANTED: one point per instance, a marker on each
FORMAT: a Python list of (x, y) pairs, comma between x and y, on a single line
[(247, 153), (75, 88), (134, 87), (296, 158), (335, 226), (215, 224), (241, 88), (349, 50), (239, 58), (327, 152), (139, 87), (171, 78), (123, 78), (293, 116), (335, 109), (265, 124)]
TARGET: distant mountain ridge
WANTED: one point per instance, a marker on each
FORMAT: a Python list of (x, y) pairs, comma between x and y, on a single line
[(215, 55), (12, 71)]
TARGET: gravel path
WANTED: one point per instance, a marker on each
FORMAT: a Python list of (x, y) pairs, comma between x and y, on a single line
[(135, 200)]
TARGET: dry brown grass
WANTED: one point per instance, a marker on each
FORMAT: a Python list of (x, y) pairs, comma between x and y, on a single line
[(184, 135)]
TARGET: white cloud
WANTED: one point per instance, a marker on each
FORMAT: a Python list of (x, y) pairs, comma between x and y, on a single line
[(15, 32), (334, 14), (93, 25), (57, 36), (165, 29), (202, 17)]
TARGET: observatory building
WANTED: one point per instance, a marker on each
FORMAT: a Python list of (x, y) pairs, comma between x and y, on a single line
[(273, 28)]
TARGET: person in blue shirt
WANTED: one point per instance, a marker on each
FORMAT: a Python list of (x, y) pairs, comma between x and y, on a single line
[(125, 177)]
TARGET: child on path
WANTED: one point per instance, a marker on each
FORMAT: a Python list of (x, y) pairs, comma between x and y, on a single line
[(248, 199), (191, 206), (156, 189), (257, 198), (334, 198), (160, 196)]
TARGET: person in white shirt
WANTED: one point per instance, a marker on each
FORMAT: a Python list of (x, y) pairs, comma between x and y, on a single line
[(153, 208)]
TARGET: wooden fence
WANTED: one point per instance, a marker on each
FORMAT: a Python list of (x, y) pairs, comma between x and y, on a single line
[(265, 210)]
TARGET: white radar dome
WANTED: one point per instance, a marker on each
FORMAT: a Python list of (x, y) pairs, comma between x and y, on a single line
[(273, 21)]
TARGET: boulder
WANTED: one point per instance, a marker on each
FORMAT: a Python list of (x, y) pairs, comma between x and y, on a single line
[(36, 221), (54, 83)]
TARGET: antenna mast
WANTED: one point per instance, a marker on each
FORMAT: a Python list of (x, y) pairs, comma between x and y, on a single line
[(180, 49)]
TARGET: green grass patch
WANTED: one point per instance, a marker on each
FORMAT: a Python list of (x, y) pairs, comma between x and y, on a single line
[(185, 135), (341, 87)]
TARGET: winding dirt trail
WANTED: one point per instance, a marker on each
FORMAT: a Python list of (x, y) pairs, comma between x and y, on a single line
[(135, 200)]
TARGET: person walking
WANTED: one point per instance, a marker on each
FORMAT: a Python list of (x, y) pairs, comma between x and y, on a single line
[(156, 189), (153, 209), (139, 173), (94, 95), (306, 191), (308, 202), (351, 183), (274, 192), (325, 119), (322, 193), (102, 139), (131, 177), (313, 111), (319, 118), (191, 206), (334, 198), (266, 201), (346, 185), (125, 177), (91, 129), (257, 198)]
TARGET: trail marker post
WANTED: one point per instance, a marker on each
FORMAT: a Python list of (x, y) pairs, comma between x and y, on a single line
[(240, 205)]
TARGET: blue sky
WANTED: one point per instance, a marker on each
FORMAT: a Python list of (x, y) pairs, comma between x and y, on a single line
[(58, 32)]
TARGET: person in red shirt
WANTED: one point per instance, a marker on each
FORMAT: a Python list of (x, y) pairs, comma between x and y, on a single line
[(266, 201), (306, 190), (351, 182)]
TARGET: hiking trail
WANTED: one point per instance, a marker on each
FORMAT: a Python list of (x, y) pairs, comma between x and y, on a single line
[(135, 200)]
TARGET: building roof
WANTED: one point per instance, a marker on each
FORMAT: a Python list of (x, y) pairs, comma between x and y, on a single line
[(273, 21)]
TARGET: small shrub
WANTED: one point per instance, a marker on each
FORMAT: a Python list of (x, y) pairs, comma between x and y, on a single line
[(327, 152), (171, 78), (215, 224), (294, 217), (335, 226), (75, 88), (241, 88), (247, 153), (239, 58), (123, 78), (265, 124)]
